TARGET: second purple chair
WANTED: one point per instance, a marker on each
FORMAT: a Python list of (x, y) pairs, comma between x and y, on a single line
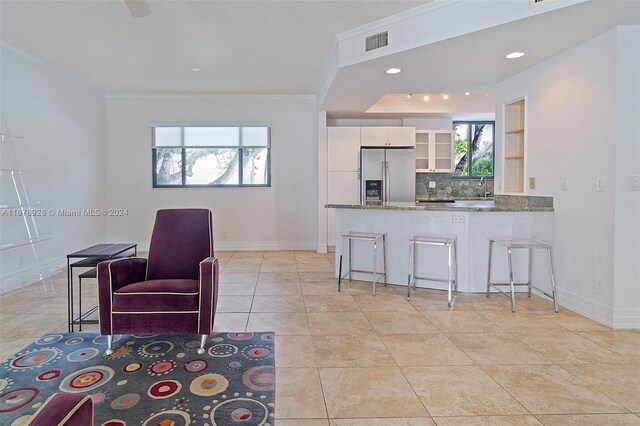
[(174, 291)]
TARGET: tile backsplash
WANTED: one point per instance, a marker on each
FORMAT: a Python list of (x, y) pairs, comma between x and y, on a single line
[(449, 187)]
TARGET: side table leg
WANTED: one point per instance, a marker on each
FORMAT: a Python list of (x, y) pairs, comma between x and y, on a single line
[(69, 314)]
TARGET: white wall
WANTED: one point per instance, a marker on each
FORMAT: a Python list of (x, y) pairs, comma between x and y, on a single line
[(429, 123), (62, 122), (283, 216), (627, 205), (573, 118)]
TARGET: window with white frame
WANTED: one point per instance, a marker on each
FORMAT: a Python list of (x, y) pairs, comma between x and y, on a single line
[(211, 156)]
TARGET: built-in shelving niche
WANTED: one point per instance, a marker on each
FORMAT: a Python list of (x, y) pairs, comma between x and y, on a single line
[(514, 154)]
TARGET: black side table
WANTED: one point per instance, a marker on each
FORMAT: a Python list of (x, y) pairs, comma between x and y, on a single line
[(91, 257)]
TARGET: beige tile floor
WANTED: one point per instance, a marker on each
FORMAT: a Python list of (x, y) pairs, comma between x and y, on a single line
[(350, 359)]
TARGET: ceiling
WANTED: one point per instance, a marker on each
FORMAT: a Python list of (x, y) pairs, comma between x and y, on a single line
[(241, 47), (474, 62)]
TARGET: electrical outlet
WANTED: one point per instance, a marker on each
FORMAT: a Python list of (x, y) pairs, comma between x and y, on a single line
[(432, 184), (564, 183), (532, 183), (599, 183), (634, 183), (599, 286), (457, 219)]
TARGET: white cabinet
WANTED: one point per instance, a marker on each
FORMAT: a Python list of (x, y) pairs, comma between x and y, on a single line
[(388, 136), (343, 165), (343, 144), (373, 136), (401, 136), (343, 187), (434, 151)]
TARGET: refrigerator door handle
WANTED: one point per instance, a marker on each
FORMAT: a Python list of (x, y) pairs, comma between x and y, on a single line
[(387, 179)]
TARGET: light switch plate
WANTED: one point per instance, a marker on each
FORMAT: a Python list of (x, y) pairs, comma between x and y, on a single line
[(599, 183), (634, 183), (532, 183), (432, 184), (564, 183)]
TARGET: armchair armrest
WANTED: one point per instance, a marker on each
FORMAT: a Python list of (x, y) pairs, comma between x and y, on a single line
[(209, 272), (113, 275)]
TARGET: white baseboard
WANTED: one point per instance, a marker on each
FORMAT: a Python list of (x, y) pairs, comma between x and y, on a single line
[(321, 249), (224, 245), (228, 245), (29, 274), (593, 309), (626, 318)]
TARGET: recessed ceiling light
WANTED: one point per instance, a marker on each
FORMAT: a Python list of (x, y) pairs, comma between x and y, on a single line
[(426, 98), (445, 97), (514, 55), (195, 69), (467, 93), (409, 96), (393, 70)]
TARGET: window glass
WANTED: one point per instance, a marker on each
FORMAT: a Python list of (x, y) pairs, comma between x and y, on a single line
[(212, 166), (474, 149), (460, 150), (483, 153), (255, 166), (168, 166), (211, 156)]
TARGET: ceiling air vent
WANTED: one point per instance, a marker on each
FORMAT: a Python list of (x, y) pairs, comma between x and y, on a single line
[(376, 41), (533, 3)]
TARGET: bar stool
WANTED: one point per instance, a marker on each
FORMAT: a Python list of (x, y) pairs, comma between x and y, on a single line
[(521, 238), (372, 237), (437, 235)]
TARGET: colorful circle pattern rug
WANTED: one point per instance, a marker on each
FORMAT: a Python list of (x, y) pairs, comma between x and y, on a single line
[(150, 379)]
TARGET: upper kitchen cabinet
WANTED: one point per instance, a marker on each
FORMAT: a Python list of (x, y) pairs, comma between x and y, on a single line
[(343, 149), (434, 151), (388, 136), (514, 122)]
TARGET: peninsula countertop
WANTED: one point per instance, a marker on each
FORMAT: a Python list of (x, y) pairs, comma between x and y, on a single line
[(501, 203)]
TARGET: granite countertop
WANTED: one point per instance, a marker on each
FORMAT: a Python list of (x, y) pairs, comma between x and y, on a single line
[(502, 203)]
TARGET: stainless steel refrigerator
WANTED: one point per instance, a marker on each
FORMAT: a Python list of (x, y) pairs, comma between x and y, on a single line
[(394, 167)]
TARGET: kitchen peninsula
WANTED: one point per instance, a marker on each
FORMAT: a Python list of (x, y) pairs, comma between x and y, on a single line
[(473, 222)]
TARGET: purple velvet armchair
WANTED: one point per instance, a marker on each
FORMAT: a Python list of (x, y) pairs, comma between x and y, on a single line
[(174, 291)]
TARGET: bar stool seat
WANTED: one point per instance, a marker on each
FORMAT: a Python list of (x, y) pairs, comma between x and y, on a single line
[(375, 238), (517, 243), (452, 271)]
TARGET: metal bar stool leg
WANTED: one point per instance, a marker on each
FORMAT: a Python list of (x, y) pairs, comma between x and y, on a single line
[(340, 266), (375, 278), (449, 275), (455, 264), (489, 268), (553, 282), (384, 258), (530, 271), (410, 274), (350, 251), (513, 293)]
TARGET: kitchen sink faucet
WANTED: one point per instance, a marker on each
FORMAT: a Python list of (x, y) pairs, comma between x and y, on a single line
[(483, 183)]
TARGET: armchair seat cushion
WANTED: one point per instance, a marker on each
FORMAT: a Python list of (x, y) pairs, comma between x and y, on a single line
[(157, 296)]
